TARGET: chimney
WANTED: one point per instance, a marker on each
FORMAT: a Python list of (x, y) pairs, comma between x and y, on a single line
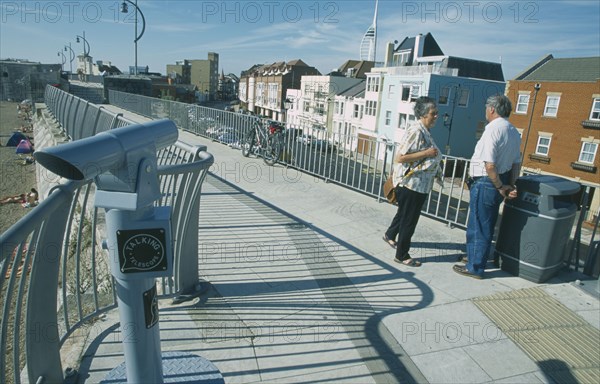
[(389, 54)]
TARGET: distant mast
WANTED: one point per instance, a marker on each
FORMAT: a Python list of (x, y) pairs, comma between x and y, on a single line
[(368, 45)]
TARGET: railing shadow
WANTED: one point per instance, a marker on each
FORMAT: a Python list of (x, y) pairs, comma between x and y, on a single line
[(289, 301)]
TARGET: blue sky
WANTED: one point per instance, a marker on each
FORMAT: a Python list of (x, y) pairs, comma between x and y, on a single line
[(323, 34)]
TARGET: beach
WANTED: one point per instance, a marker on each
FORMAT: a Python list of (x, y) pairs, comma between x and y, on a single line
[(16, 175)]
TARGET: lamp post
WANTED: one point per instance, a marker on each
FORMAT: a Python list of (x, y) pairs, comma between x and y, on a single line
[(64, 59), (71, 56), (124, 9), (447, 119), (287, 105), (536, 88), (86, 44)]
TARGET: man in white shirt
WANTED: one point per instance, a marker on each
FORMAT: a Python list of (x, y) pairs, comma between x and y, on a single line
[(494, 168)]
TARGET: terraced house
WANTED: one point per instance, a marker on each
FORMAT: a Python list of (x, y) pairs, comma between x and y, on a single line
[(557, 110)]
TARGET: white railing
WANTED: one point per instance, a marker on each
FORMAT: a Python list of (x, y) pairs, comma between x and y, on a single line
[(54, 276)]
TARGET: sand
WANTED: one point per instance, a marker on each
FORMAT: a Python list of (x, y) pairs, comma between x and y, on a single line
[(16, 176)]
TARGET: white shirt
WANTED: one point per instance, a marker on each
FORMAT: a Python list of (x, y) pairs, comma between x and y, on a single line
[(500, 144)]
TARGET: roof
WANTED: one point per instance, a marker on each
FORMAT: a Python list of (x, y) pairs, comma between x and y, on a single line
[(360, 68), (430, 47), (357, 90), (565, 69), (476, 69)]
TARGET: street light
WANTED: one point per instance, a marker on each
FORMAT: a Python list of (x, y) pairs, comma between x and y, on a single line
[(64, 59), (86, 44), (447, 119), (287, 105), (124, 9), (536, 87), (71, 56)]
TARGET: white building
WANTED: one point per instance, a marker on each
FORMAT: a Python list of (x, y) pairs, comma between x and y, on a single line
[(313, 104), (417, 67), (347, 119)]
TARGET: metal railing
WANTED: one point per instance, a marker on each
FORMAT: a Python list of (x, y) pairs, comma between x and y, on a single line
[(357, 163), (54, 276), (361, 164)]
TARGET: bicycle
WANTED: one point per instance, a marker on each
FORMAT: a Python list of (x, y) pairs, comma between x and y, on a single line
[(264, 140)]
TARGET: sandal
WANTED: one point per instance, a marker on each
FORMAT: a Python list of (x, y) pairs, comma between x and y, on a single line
[(390, 242), (409, 262)]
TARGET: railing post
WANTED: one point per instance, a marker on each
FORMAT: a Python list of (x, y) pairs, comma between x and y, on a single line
[(42, 345)]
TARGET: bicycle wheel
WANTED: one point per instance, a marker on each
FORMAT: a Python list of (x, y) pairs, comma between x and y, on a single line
[(248, 143), (274, 149)]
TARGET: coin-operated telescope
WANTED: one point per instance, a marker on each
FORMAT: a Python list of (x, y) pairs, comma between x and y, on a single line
[(123, 164)]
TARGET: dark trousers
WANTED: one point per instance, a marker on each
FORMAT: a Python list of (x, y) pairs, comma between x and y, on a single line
[(404, 223)]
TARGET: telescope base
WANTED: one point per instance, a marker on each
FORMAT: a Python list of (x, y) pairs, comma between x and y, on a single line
[(178, 367)]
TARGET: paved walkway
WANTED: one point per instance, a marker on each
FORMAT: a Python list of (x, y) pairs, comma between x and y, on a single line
[(303, 289)]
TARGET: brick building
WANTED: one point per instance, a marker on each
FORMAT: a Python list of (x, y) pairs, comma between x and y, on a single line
[(556, 107)]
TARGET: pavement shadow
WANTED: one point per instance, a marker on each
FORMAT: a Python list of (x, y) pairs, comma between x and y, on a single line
[(293, 275)]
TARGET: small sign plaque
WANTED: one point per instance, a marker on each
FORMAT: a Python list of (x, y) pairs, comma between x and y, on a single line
[(142, 250), (151, 307)]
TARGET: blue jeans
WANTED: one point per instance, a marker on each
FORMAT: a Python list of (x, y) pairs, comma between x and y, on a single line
[(484, 204)]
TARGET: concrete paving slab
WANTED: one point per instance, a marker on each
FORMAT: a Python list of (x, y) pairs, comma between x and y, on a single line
[(450, 366), (494, 358)]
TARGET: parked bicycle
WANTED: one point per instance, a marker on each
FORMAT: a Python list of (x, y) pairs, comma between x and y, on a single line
[(265, 139)]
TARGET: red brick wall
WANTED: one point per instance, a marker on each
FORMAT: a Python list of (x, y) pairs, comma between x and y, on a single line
[(574, 107)]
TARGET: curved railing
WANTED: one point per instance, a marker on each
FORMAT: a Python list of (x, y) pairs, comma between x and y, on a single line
[(55, 277)]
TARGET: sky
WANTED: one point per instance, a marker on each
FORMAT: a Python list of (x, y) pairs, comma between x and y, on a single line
[(323, 34)]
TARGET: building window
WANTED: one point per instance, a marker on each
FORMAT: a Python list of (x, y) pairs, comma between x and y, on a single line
[(463, 97), (595, 115), (273, 94), (443, 99), (341, 108), (306, 106), (362, 111), (588, 152), (391, 91), (320, 108), (404, 120), (522, 103), (415, 92), (551, 105), (356, 111), (410, 92), (405, 92), (543, 146), (373, 84), (371, 108), (388, 118)]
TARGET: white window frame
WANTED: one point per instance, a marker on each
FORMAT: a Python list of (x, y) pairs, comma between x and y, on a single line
[(405, 96), (388, 118), (583, 152), (522, 104), (373, 83), (595, 113), (404, 120), (391, 91), (371, 108), (539, 145), (551, 110)]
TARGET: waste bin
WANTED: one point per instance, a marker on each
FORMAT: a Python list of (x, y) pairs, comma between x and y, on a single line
[(536, 227)]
